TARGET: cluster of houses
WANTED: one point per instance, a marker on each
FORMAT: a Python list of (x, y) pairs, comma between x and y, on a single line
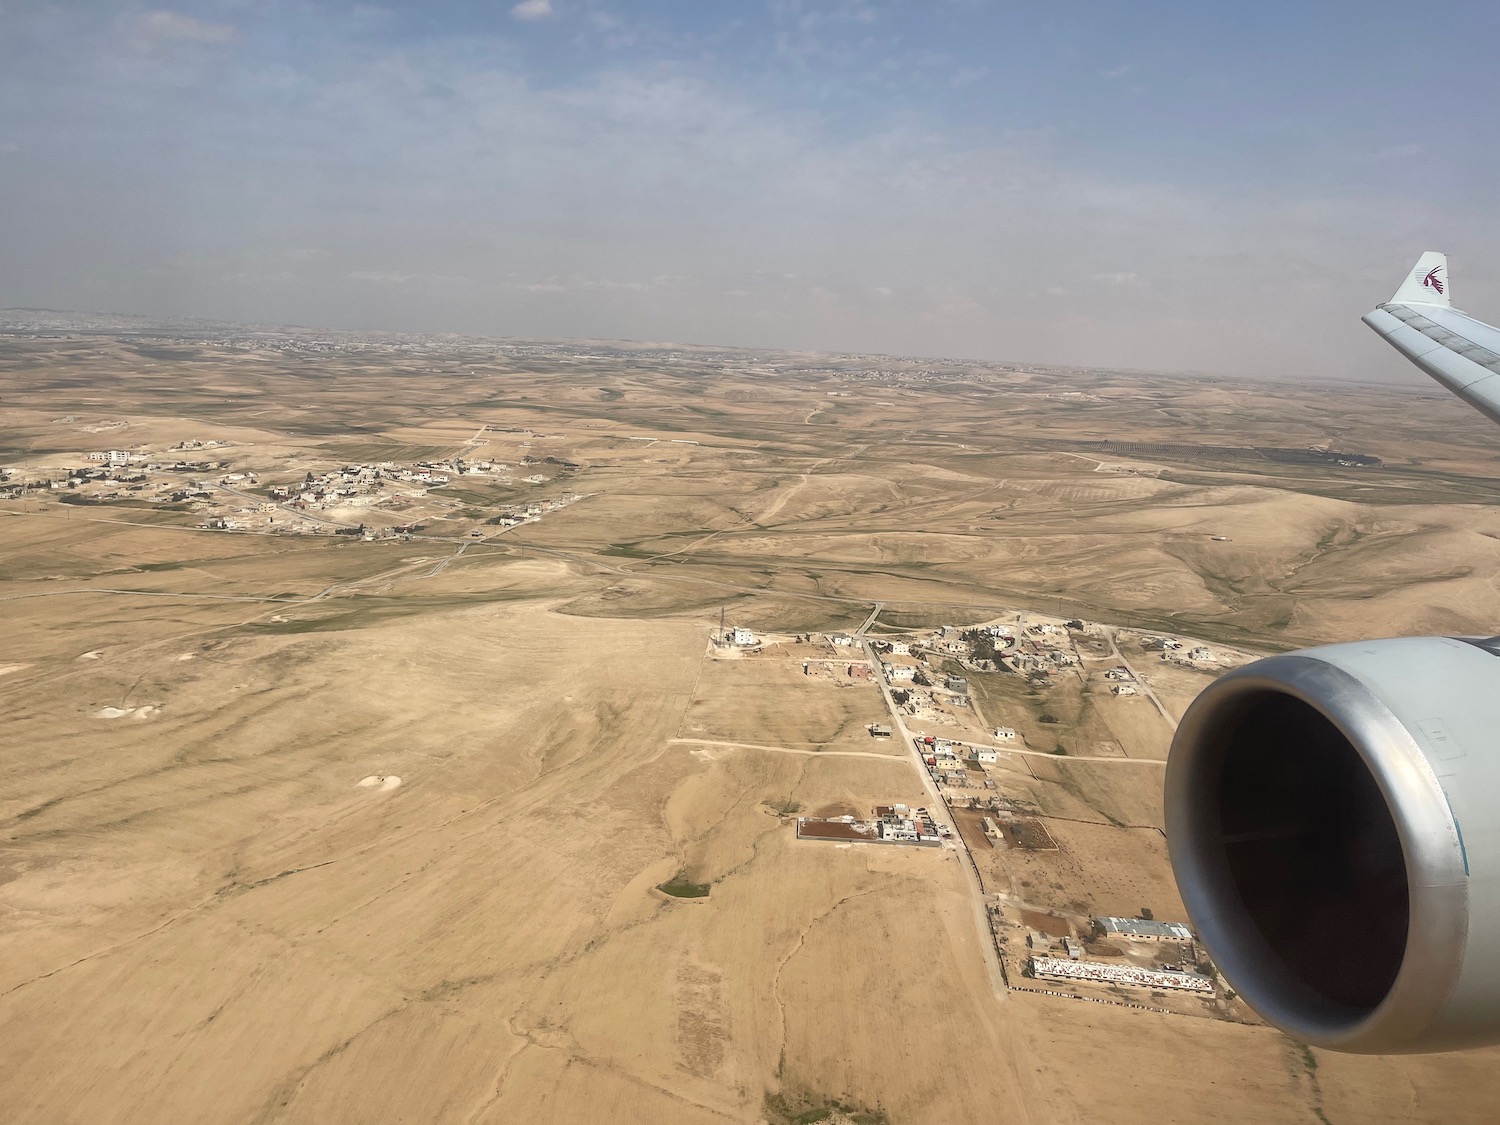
[(90, 482), (905, 667), (345, 486), (93, 483), (116, 472), (14, 489), (528, 513), (1043, 649), (354, 485), (182, 466), (123, 474), (1037, 651), (949, 762), (858, 671), (892, 824), (363, 486), (1179, 653)]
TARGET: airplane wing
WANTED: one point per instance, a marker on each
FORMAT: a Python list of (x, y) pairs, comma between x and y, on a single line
[(1461, 353)]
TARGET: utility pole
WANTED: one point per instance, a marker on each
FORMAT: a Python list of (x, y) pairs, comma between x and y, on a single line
[(720, 640)]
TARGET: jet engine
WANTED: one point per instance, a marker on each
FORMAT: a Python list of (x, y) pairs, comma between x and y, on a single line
[(1333, 817)]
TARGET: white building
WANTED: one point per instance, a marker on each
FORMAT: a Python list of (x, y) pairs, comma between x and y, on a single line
[(899, 673), (1005, 734), (985, 757), (741, 636), (1114, 927), (1123, 689), (1056, 968), (843, 639)]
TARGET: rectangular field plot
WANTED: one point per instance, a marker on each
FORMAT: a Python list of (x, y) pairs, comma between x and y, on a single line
[(772, 702), (1099, 869)]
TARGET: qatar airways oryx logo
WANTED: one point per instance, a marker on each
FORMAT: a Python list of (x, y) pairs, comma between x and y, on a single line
[(1433, 281)]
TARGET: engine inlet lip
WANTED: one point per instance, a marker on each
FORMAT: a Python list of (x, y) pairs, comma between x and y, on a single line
[(1436, 882)]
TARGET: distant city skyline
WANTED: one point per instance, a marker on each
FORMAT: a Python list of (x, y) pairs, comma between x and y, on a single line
[(1166, 186)]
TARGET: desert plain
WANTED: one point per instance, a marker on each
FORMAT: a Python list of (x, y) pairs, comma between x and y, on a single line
[(352, 801)]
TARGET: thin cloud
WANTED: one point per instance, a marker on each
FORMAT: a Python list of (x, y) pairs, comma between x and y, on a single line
[(532, 10), (162, 26)]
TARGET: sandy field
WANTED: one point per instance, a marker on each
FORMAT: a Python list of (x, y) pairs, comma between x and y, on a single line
[(325, 827)]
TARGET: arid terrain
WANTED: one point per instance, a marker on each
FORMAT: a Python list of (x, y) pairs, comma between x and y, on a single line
[(336, 791)]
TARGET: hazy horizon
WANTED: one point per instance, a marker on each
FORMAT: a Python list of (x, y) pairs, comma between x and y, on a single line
[(1403, 377), (1170, 189)]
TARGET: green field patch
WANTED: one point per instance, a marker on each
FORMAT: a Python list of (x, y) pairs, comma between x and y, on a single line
[(679, 886), (786, 1108)]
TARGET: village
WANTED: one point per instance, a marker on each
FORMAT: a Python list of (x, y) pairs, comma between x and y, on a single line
[(374, 500), (989, 783)]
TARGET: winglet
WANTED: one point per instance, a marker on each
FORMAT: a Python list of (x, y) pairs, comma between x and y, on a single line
[(1427, 284)]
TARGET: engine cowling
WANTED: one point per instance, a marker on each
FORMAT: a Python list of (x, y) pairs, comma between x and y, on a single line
[(1333, 817)]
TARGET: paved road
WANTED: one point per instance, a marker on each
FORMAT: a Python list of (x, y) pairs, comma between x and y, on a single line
[(937, 804), (1145, 687)]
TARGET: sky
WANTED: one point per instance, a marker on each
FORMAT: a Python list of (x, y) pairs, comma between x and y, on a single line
[(1179, 187)]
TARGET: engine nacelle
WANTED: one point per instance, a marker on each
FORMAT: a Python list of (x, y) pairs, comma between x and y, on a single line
[(1333, 817)]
